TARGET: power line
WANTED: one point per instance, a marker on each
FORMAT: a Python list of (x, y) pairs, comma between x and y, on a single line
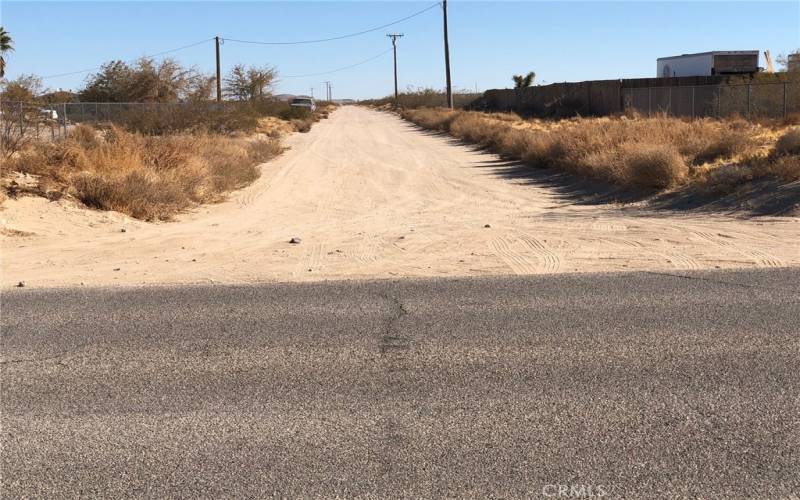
[(219, 39), (130, 60), (337, 69), (340, 37)]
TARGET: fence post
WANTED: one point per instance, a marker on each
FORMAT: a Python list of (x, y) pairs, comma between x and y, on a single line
[(693, 88), (21, 112), (64, 109), (719, 102), (649, 105), (669, 107), (749, 91), (785, 101)]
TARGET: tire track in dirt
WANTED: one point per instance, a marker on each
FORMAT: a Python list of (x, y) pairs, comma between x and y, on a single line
[(364, 251), (516, 253), (512, 258), (622, 242), (312, 260), (761, 259), (682, 261), (764, 259), (550, 261)]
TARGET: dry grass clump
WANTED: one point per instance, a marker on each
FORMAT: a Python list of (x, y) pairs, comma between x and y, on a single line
[(656, 166), (431, 118), (789, 143), (421, 98), (653, 153), (146, 177), (781, 162), (302, 125)]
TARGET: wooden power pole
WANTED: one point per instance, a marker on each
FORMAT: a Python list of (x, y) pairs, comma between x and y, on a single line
[(327, 90), (394, 37), (447, 58), (219, 73)]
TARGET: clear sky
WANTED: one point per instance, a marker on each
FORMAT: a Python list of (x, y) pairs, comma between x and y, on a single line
[(490, 41)]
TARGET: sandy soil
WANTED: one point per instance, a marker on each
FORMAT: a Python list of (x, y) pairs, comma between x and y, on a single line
[(373, 197)]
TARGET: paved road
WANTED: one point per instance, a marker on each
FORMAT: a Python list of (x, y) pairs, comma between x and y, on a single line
[(634, 385)]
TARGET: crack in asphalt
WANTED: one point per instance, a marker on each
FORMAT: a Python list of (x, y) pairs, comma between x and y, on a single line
[(391, 426), (388, 341)]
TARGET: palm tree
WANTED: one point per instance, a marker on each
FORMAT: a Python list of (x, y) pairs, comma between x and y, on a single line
[(6, 45), (520, 82)]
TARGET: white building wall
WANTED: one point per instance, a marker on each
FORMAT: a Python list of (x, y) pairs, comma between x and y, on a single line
[(696, 65)]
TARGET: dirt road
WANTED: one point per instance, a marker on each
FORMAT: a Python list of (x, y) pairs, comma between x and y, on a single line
[(372, 196)]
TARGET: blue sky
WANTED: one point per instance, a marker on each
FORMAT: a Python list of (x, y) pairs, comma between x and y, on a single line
[(490, 41)]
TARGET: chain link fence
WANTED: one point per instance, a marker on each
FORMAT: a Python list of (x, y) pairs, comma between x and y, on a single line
[(753, 100), (20, 120), (26, 121), (23, 122)]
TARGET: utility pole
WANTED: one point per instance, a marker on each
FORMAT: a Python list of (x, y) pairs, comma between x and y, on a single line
[(312, 92), (327, 90), (219, 73), (394, 37), (447, 58)]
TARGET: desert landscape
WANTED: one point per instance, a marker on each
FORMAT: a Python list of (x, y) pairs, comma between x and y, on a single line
[(369, 195), (304, 250)]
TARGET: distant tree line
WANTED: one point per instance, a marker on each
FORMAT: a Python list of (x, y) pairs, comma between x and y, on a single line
[(148, 80)]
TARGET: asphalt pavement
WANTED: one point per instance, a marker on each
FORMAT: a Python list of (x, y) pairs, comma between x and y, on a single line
[(606, 385)]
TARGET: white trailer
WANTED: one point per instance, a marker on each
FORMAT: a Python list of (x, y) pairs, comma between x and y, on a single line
[(708, 63)]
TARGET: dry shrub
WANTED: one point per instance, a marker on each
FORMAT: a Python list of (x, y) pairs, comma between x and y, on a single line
[(85, 135), (654, 153), (786, 168), (146, 177), (505, 117), (473, 128), (656, 166), (789, 143), (431, 118), (262, 150), (302, 125), (422, 98)]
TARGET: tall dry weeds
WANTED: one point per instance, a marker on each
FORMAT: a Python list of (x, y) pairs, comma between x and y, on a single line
[(635, 152), (146, 177)]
